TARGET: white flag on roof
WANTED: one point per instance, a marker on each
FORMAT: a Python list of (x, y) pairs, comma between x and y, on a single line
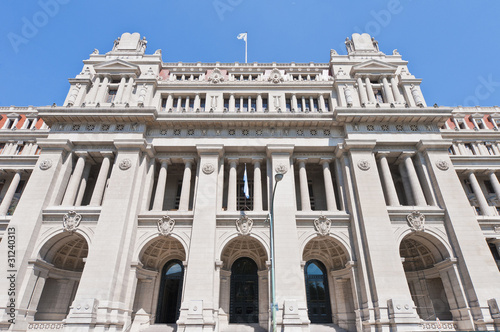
[(242, 36)]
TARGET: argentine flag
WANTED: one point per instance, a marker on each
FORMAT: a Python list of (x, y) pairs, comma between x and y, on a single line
[(245, 184)]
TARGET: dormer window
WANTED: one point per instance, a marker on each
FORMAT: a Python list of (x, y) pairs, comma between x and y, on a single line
[(379, 97), (111, 95)]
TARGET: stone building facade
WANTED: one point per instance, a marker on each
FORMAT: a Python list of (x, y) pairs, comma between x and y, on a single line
[(130, 214)]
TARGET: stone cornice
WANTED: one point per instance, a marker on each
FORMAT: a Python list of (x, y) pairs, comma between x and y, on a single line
[(55, 144), (400, 115), (360, 145), (53, 115)]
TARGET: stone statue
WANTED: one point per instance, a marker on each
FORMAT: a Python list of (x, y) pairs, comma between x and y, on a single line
[(348, 95), (116, 43), (96, 51)]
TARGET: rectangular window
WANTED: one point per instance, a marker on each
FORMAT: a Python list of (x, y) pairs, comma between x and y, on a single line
[(327, 107), (226, 104), (111, 95), (315, 105), (288, 104), (164, 104), (264, 104), (378, 96), (489, 187)]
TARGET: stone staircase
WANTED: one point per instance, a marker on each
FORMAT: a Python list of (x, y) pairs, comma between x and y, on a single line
[(243, 328), (161, 328)]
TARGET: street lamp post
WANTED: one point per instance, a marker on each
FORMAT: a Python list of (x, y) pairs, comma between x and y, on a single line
[(278, 177)]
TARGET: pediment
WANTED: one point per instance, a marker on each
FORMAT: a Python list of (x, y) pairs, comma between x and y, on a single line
[(117, 66), (374, 67)]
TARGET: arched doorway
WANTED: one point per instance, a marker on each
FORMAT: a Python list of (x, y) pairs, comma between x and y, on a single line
[(161, 272), (424, 274), (169, 298), (329, 282), (66, 254), (318, 298), (244, 302)]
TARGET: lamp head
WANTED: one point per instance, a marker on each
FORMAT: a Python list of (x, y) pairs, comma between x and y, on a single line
[(278, 177)]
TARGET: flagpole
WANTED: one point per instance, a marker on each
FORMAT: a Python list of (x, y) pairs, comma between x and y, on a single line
[(246, 47)]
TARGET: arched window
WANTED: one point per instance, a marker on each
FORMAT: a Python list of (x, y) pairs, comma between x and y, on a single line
[(318, 297), (169, 299)]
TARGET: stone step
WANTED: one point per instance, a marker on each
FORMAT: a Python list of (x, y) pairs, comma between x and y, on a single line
[(325, 328), (243, 328), (161, 328)]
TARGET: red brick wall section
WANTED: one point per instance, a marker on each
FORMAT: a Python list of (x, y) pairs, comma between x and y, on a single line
[(468, 122), (451, 124), (487, 122), (21, 121)]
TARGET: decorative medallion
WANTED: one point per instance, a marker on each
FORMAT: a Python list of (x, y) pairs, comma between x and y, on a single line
[(323, 225), (71, 221), (275, 76), (125, 164), (208, 168), (45, 165), (496, 228), (216, 76), (281, 168), (442, 165), (416, 220), (165, 225), (364, 165), (244, 225)]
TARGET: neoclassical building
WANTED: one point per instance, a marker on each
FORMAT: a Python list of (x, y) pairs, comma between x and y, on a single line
[(125, 208)]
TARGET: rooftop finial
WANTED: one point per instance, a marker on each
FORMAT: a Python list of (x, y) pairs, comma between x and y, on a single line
[(363, 43), (130, 43)]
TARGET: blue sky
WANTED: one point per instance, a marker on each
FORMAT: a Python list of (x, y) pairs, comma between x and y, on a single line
[(453, 45)]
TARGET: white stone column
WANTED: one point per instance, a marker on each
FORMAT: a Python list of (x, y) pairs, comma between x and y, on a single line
[(121, 90), (362, 91), (186, 185), (102, 90), (304, 188), (322, 105), (331, 203), (170, 101), (303, 104), (259, 103), (416, 189), (83, 184), (188, 100), (102, 178), (179, 104), (387, 90), (369, 90), (196, 102), (494, 182), (395, 91), (257, 185), (241, 104), (232, 185), (249, 108), (9, 195), (387, 181), (483, 204), (74, 181), (128, 91), (93, 91), (160, 186), (311, 104), (231, 103), (295, 107)]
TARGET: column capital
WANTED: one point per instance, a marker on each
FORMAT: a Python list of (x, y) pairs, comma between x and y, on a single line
[(82, 154), (257, 160), (406, 154), (302, 160), (235, 160), (107, 154), (381, 154), (164, 160), (188, 160), (325, 160)]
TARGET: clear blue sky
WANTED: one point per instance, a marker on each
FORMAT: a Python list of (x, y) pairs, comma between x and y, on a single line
[(453, 45)]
